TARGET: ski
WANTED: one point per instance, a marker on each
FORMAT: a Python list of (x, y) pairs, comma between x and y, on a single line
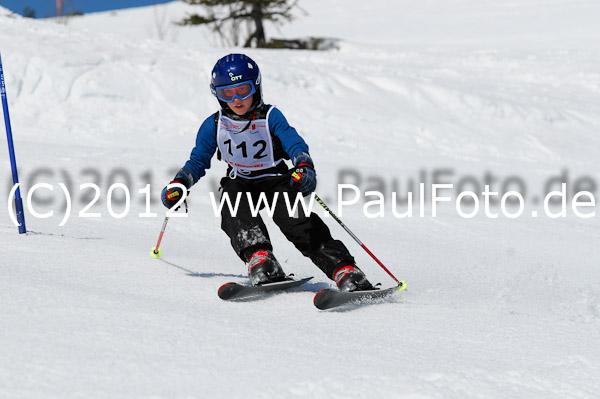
[(331, 298), (238, 291)]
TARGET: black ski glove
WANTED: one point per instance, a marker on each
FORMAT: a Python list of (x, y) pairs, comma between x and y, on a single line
[(170, 196), (303, 175)]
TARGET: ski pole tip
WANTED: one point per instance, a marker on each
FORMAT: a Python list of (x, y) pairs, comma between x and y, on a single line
[(155, 253)]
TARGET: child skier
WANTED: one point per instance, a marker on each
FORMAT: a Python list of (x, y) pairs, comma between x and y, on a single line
[(254, 139)]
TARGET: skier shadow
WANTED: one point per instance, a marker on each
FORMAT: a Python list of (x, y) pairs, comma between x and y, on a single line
[(315, 287), (203, 275)]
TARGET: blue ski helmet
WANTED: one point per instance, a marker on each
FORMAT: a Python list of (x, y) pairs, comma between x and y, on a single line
[(232, 70)]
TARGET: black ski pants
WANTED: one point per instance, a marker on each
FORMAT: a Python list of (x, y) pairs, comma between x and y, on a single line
[(249, 234)]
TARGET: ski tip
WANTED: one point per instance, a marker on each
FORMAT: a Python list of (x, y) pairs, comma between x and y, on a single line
[(224, 285), (223, 292), (402, 286), (317, 294)]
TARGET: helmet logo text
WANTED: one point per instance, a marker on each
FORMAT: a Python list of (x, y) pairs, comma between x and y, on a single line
[(234, 78)]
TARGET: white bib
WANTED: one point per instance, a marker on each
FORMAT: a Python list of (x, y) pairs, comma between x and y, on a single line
[(246, 146)]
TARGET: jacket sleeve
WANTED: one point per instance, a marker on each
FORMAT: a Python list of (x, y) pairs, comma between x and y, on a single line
[(206, 145), (291, 141)]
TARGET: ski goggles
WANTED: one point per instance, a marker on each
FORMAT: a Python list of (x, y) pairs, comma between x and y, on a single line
[(241, 91)]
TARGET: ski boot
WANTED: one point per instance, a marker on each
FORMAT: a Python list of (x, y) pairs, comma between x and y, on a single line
[(263, 268), (350, 278)]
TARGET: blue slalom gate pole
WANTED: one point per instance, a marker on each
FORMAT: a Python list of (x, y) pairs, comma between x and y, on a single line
[(13, 161)]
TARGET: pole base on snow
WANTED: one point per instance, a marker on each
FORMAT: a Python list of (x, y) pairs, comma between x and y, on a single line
[(155, 253)]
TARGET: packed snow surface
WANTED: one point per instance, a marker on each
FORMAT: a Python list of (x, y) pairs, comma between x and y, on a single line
[(468, 92)]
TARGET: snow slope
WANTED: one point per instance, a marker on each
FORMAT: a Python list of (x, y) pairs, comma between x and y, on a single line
[(495, 308)]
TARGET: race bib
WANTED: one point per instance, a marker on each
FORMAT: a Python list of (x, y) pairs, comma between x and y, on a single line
[(245, 145)]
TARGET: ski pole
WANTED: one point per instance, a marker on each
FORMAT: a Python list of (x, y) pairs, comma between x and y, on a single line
[(11, 152), (320, 201), (156, 252)]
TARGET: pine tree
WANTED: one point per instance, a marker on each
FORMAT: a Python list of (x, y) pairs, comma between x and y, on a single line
[(28, 12), (227, 17)]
